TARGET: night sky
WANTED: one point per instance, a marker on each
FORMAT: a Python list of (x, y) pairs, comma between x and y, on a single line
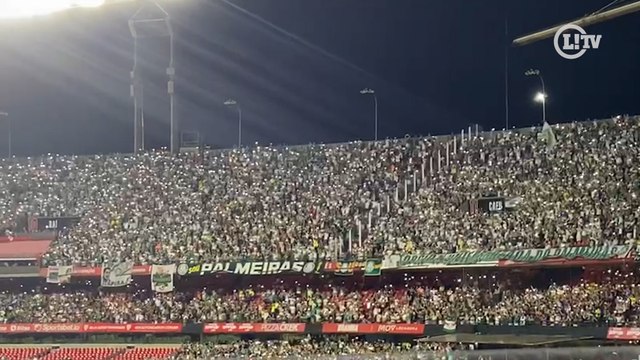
[(296, 68)]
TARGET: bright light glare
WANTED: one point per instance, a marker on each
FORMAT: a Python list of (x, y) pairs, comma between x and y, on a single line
[(13, 9), (540, 97)]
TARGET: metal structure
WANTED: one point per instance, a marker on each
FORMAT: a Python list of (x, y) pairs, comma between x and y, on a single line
[(540, 97), (190, 141), (6, 115), (232, 102), (367, 91), (598, 17), (151, 20)]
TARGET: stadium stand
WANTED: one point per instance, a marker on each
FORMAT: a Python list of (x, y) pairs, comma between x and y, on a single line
[(570, 186), (355, 199), (500, 303), (88, 353)]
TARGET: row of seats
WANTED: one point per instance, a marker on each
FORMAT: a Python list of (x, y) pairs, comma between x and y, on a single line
[(23, 353), (43, 353)]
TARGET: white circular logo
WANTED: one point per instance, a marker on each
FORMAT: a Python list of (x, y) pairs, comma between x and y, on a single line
[(308, 268), (556, 41), (182, 269)]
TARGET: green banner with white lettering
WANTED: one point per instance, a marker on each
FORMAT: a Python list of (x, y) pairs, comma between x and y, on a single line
[(504, 258)]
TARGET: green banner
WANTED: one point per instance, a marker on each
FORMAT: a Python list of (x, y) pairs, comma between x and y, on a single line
[(492, 258), (373, 267)]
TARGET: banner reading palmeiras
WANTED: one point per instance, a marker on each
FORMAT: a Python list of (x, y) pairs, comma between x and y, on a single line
[(116, 274), (252, 268), (162, 277), (59, 274)]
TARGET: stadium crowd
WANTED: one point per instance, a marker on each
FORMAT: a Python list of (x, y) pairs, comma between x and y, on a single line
[(325, 201), (318, 349), (584, 304)]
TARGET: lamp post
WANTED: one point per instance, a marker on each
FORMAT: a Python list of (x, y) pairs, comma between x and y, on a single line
[(232, 102), (540, 97), (2, 113), (367, 91)]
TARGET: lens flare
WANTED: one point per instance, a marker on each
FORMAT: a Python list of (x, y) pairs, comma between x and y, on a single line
[(14, 9)]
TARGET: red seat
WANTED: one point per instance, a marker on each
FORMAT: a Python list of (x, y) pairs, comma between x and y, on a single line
[(147, 353), (80, 354), (22, 353)]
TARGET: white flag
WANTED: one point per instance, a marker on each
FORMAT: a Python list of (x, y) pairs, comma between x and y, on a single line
[(162, 277), (59, 274), (117, 274), (548, 135)]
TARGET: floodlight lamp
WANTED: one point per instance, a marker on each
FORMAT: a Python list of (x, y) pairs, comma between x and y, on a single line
[(14, 9), (540, 97), (230, 102)]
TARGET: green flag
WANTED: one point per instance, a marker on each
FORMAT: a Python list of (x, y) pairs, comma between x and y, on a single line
[(373, 267)]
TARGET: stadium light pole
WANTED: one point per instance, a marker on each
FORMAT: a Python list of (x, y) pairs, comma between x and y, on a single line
[(151, 21), (367, 91), (540, 97), (6, 115), (234, 103)]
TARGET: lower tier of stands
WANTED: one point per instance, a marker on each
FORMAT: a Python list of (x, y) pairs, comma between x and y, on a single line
[(87, 353)]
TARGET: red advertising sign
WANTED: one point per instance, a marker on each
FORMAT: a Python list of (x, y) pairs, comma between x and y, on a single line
[(56, 328), (78, 328), (244, 328), (405, 329), (619, 333)]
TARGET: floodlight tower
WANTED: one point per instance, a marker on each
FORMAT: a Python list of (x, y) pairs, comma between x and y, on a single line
[(151, 20)]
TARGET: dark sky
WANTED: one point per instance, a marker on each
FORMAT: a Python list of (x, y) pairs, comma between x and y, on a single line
[(296, 68)]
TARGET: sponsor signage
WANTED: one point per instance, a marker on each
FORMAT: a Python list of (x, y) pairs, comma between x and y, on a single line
[(251, 328), (78, 328), (507, 258), (54, 223), (370, 267), (399, 329), (622, 333), (251, 268)]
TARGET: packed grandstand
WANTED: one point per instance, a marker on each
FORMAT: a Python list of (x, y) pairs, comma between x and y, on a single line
[(414, 248)]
